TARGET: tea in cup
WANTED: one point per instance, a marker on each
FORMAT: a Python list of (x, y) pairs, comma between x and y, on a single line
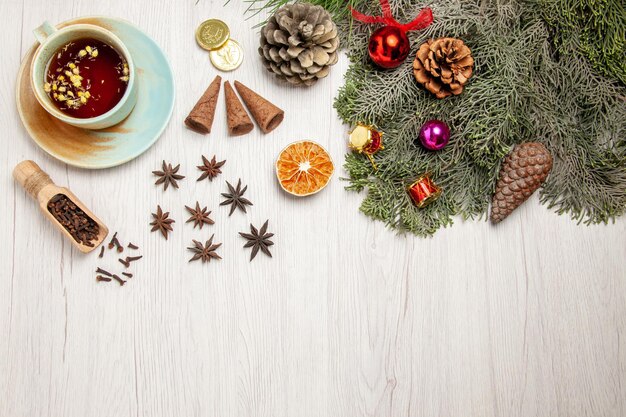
[(83, 75)]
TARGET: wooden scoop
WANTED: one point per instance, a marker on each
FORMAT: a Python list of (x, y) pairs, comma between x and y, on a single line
[(39, 185)]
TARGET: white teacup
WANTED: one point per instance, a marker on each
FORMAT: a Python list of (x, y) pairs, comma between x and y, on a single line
[(51, 39)]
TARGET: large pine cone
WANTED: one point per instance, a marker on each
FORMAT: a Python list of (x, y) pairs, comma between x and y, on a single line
[(299, 43), (522, 172), (443, 66)]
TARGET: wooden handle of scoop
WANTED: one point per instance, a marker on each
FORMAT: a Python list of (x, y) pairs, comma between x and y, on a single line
[(30, 176)]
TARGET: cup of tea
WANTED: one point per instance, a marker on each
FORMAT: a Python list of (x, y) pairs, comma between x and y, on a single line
[(83, 75)]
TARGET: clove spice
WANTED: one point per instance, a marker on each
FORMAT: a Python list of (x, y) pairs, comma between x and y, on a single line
[(112, 241), (78, 224), (118, 279), (104, 275), (115, 242), (103, 272)]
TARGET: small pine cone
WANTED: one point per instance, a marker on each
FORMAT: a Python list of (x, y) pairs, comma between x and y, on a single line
[(522, 172), (299, 43), (443, 66)]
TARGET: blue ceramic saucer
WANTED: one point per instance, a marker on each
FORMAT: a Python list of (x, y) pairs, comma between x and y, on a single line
[(118, 144)]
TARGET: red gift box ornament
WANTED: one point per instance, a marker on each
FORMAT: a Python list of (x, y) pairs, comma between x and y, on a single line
[(389, 46)]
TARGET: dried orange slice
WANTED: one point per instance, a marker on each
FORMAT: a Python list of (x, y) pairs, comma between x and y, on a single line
[(304, 168)]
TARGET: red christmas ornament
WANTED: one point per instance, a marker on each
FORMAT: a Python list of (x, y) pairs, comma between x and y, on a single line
[(423, 191), (389, 46)]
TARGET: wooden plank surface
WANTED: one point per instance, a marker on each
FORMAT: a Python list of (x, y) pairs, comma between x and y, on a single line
[(348, 319)]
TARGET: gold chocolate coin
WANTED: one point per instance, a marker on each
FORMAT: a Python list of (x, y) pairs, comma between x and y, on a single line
[(228, 57), (212, 34)]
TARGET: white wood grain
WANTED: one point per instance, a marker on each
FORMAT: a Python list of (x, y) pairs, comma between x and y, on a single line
[(348, 319)]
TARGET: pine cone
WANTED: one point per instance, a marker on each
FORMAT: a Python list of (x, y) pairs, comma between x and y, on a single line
[(299, 43), (522, 172), (443, 66)]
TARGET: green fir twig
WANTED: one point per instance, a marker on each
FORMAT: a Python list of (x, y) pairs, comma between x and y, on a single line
[(546, 70)]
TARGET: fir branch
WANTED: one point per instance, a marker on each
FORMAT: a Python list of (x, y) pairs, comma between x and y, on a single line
[(596, 28), (337, 8), (523, 89), (554, 76)]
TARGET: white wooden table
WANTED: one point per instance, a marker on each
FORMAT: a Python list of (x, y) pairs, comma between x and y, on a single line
[(348, 319)]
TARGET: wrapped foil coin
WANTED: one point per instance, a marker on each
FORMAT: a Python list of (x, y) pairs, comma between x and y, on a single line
[(212, 34), (423, 191), (228, 57)]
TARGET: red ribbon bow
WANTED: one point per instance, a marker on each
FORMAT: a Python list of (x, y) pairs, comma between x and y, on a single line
[(422, 21)]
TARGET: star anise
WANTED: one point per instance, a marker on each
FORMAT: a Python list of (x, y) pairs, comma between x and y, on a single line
[(206, 251), (199, 216), (258, 239), (210, 169), (168, 175), (235, 198), (162, 222)]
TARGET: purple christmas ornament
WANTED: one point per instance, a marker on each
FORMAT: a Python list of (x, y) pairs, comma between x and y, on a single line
[(434, 135)]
